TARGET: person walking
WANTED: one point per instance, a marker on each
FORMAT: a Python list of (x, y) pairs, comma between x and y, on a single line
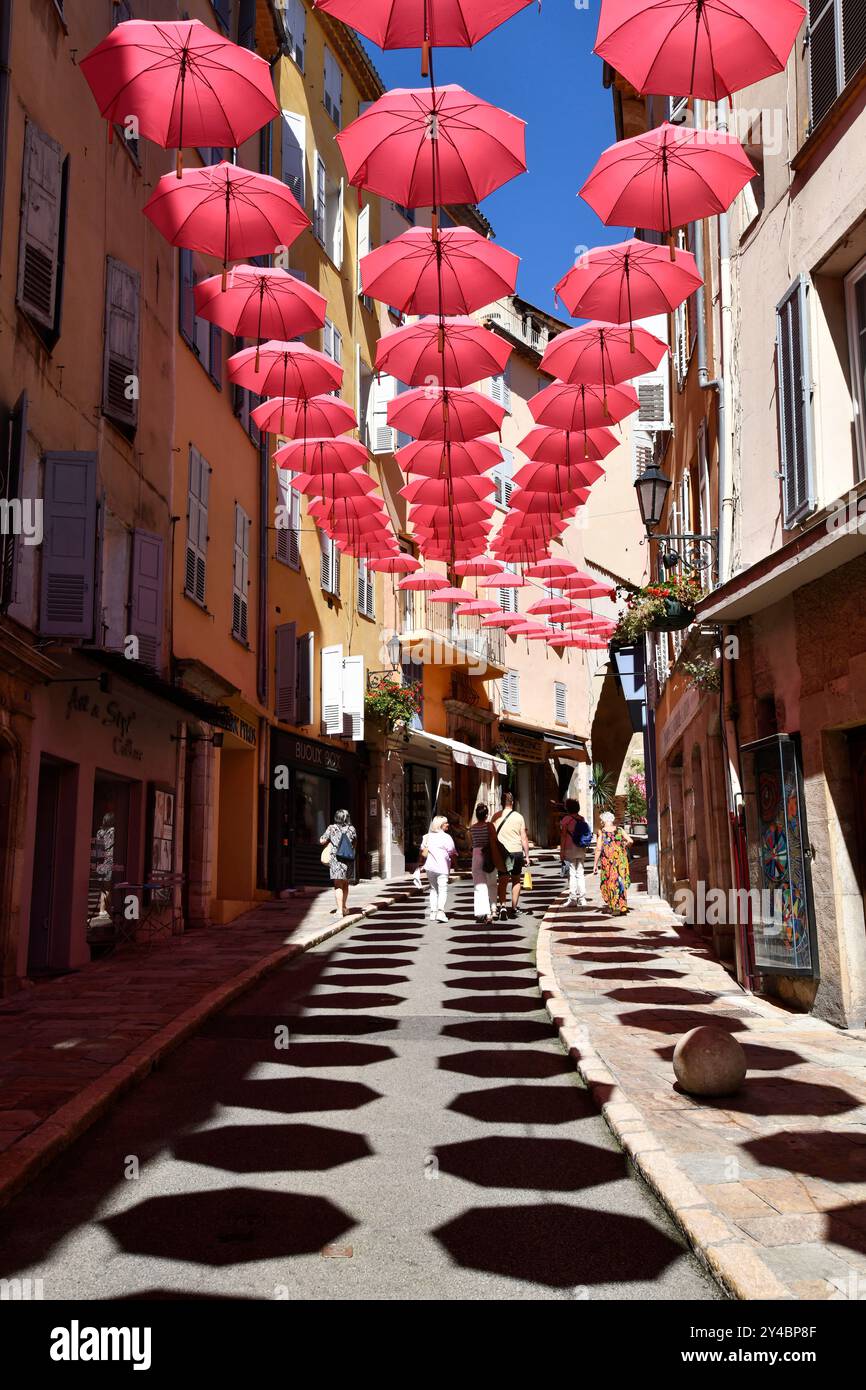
[(487, 861), (513, 840), (438, 851), (575, 836), (611, 859), (340, 840)]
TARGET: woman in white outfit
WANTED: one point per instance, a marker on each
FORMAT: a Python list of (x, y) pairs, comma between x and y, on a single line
[(439, 852), (487, 863)]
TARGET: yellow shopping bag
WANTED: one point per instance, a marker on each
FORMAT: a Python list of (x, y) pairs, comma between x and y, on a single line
[(527, 879)]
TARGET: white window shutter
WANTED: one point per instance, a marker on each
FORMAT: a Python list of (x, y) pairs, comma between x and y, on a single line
[(560, 702), (39, 242), (240, 577), (366, 589), (195, 582), (382, 435), (654, 394), (330, 565), (332, 690), (337, 246), (363, 238), (353, 697), (320, 196), (294, 154)]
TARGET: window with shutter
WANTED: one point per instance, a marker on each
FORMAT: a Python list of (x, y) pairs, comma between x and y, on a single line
[(794, 393), (413, 674), (288, 521), (332, 690), (855, 294), (560, 702), (295, 23), (306, 677), (353, 697), (837, 51), (366, 590), (319, 197), (508, 597), (511, 692), (69, 546), (333, 88), (382, 390), (120, 379), (363, 248), (330, 565), (223, 11), (196, 527), (203, 337), (241, 575), (146, 595), (294, 154), (653, 397), (503, 475), (39, 247), (286, 638), (10, 491)]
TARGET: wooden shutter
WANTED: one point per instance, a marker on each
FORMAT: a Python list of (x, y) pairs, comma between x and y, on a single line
[(363, 239), (353, 697), (382, 390), (306, 674), (825, 66), (338, 237), (794, 392), (332, 690), (560, 702), (240, 575), (69, 546), (13, 474), (186, 302), (511, 692), (195, 581), (320, 197), (294, 154), (120, 382), (287, 672), (653, 391), (366, 589), (333, 88), (146, 585), (215, 356), (40, 234), (503, 475), (289, 529), (853, 38), (295, 21), (223, 9)]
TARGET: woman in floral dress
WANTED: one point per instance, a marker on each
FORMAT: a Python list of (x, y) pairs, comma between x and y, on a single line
[(611, 857)]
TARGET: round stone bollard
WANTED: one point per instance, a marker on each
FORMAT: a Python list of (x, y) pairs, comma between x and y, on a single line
[(709, 1062)]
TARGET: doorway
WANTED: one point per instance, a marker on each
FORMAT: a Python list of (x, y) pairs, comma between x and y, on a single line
[(857, 754), (53, 852), (420, 801)]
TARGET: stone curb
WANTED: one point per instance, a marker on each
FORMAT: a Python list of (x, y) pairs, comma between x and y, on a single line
[(32, 1153), (736, 1266)]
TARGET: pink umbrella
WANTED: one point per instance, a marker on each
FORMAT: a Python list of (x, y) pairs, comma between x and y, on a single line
[(477, 607), (699, 48), (449, 596), (285, 369), (668, 177), (423, 580), (318, 456), (559, 641), (552, 569), (458, 514), (449, 351), (319, 417), (603, 352), (184, 83), (588, 591), (498, 620), (477, 566), (629, 281), (553, 607), (504, 580), (564, 504), (396, 564), (437, 413), (423, 24), (225, 211), (261, 302), (456, 272), (335, 484), (555, 478), (523, 628), (424, 148), (582, 407), (430, 459), (439, 491), (566, 447)]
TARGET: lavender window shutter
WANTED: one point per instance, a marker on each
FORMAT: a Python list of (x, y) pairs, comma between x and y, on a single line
[(147, 596), (287, 672), (69, 546), (17, 443), (187, 301)]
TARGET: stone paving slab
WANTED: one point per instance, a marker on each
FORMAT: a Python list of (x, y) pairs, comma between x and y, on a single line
[(769, 1185), (71, 1045)]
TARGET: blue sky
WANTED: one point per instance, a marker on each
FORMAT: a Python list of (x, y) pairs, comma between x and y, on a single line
[(540, 67)]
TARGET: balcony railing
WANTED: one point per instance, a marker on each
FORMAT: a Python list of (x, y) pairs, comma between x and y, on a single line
[(448, 640)]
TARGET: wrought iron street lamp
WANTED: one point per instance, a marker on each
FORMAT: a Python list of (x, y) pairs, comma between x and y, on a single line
[(652, 488)]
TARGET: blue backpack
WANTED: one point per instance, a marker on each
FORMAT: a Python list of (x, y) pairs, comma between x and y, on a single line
[(345, 849), (581, 834)]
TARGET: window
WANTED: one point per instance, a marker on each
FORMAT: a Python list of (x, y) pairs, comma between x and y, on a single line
[(204, 338), (120, 380), (413, 674), (363, 249), (383, 439), (328, 212), (364, 405), (294, 155), (794, 392), (288, 520), (681, 344), (286, 683), (353, 697), (146, 593), (42, 234), (837, 51), (241, 576), (223, 11), (511, 692), (244, 402), (500, 388), (366, 590), (560, 702), (295, 24), (855, 292), (11, 477), (333, 88), (195, 572), (330, 565), (503, 475), (407, 213), (653, 392), (332, 690), (508, 597), (69, 546), (332, 342)]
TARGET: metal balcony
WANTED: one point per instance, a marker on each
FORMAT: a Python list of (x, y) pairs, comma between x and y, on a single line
[(437, 638)]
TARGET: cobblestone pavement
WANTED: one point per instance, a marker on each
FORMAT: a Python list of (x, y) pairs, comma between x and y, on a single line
[(422, 1135), (770, 1183)]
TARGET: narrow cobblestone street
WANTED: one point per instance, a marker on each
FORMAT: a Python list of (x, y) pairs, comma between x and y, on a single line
[(424, 1135)]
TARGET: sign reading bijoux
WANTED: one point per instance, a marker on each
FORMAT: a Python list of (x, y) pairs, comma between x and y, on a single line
[(110, 716)]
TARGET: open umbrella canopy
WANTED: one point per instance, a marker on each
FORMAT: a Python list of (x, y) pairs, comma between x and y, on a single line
[(318, 456), (449, 596), (414, 23), (439, 413), (456, 272), (314, 417), (457, 514), (334, 484), (551, 570), (423, 147), (556, 478), (549, 504), (396, 564), (477, 566), (603, 352), (668, 177), (423, 581), (285, 369), (477, 607), (449, 351), (560, 640), (432, 459), (186, 84), (551, 607), (504, 580), (546, 445), (699, 48), (588, 589), (628, 281), (438, 491), (261, 302), (226, 211), (582, 407)]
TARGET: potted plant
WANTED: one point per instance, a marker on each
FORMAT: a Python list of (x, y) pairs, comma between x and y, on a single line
[(392, 703), (666, 606)]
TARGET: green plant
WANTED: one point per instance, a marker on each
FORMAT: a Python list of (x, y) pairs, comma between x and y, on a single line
[(636, 802), (603, 786), (391, 702), (702, 673), (646, 607)]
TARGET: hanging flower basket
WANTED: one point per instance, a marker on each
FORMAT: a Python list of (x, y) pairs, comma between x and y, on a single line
[(663, 607), (674, 617)]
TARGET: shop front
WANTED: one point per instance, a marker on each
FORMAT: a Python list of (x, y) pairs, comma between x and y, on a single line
[(309, 783), (534, 780)]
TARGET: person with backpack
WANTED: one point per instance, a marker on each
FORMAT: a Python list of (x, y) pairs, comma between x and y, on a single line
[(575, 836), (487, 862), (510, 830), (340, 841)]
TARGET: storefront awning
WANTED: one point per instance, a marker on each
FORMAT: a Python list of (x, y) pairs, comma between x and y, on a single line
[(571, 751), (466, 756)]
